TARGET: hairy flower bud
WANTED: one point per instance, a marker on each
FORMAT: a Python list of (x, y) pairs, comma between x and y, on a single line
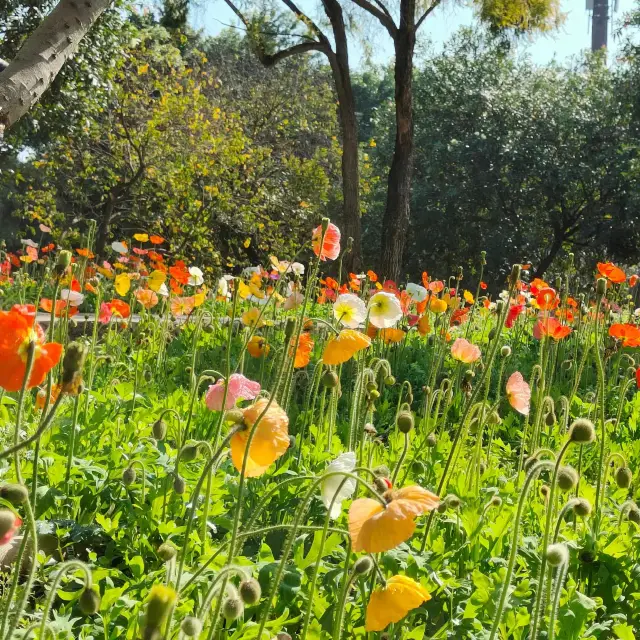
[(89, 602), (250, 591), (567, 478), (405, 422), (363, 565), (582, 507), (330, 379), (624, 476), (189, 452), (505, 352), (167, 551), (129, 476), (601, 286), (232, 608), (14, 493), (179, 485), (582, 431), (557, 554), (432, 440), (191, 627), (72, 363), (159, 429)]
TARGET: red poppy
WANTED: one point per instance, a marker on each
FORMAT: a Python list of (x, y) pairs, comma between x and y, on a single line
[(61, 308), (47, 248), (547, 299), (638, 377), (514, 311), (330, 282), (330, 244), (483, 286), (550, 327), (459, 316), (612, 273), (536, 285), (17, 333), (115, 307)]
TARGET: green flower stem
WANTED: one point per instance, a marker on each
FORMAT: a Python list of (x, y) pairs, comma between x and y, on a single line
[(601, 401), (71, 444), (563, 512), (403, 455), (543, 465), (343, 603), (561, 574)]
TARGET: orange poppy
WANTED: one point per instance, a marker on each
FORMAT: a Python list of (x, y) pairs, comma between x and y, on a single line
[(391, 336), (182, 306), (270, 439), (90, 288), (156, 239), (459, 316), (344, 346), (46, 304), (179, 273), (17, 332), (147, 298), (633, 280), (372, 275), (85, 253), (547, 299), (391, 602), (374, 528), (258, 347), (612, 273), (303, 351), (423, 326), (629, 334), (438, 306), (42, 394), (550, 327)]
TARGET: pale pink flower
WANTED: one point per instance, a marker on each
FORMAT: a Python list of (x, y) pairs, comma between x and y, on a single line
[(519, 393), (464, 351), (240, 388)]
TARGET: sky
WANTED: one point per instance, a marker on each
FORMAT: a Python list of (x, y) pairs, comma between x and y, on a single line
[(573, 37)]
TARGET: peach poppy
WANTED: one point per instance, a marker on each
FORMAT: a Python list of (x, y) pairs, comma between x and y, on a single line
[(393, 601), (519, 393), (392, 336), (17, 332), (547, 299), (270, 440), (258, 347), (464, 351), (343, 347), (302, 352), (330, 245), (9, 528), (612, 273), (374, 527), (629, 334), (146, 297), (550, 327), (182, 306)]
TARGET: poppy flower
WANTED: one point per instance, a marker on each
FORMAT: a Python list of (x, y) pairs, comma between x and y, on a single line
[(182, 306), (417, 292), (550, 327), (156, 280), (85, 253), (338, 486), (519, 393), (141, 237), (512, 315), (240, 388), (179, 273), (464, 351), (344, 346), (393, 601), (437, 305), (302, 353), (156, 239), (423, 326), (349, 310), (117, 308), (41, 396), (633, 280), (46, 304), (612, 273), (252, 318), (122, 284), (293, 301), (17, 333), (392, 336), (330, 245), (384, 310), (547, 299), (483, 286), (629, 334), (196, 277), (146, 297), (374, 527), (9, 524), (72, 296), (436, 286), (468, 297), (270, 440), (258, 347), (638, 377), (459, 316)]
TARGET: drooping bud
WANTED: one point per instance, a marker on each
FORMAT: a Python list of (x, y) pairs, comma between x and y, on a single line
[(582, 507), (432, 440), (496, 501), (405, 422), (14, 493), (250, 591), (167, 551), (582, 431), (63, 261), (557, 554), (179, 484), (191, 627), (567, 478), (89, 602), (363, 565), (381, 471), (72, 363), (159, 429), (189, 452), (389, 381), (232, 608), (505, 352), (129, 476), (624, 476), (330, 379)]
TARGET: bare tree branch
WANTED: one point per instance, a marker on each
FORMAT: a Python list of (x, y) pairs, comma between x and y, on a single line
[(426, 14), (385, 19)]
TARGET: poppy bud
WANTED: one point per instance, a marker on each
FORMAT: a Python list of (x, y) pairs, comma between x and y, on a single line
[(505, 352), (363, 565), (389, 381), (324, 225), (374, 395), (499, 306), (432, 440), (483, 258), (544, 491), (330, 379), (208, 328), (452, 501), (9, 523), (483, 468), (14, 493), (89, 602), (63, 261), (179, 485), (250, 591), (469, 375), (582, 431), (582, 508), (588, 557), (232, 608), (235, 416), (292, 442), (381, 471), (191, 627), (370, 429), (492, 333), (72, 364), (382, 484), (148, 376), (159, 429), (557, 554), (161, 600), (550, 419), (372, 386), (516, 270), (405, 421), (410, 398), (496, 501), (431, 340), (473, 426), (283, 636), (128, 476), (417, 467), (567, 478), (189, 452), (624, 476), (289, 328), (167, 551), (494, 418), (634, 515), (558, 283)]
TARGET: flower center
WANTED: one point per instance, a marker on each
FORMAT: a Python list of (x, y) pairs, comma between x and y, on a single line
[(23, 349)]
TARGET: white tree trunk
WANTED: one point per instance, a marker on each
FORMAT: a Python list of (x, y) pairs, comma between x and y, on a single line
[(43, 54)]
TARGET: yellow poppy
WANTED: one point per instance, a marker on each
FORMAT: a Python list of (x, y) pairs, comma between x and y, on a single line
[(251, 318), (374, 528), (122, 284), (438, 306), (258, 347), (344, 346), (392, 602), (243, 290), (156, 280), (468, 296), (391, 336), (107, 273), (270, 439), (198, 299), (141, 237)]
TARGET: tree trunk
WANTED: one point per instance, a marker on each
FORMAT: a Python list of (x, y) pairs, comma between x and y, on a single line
[(547, 261), (397, 211), (42, 55), (351, 226), (104, 225)]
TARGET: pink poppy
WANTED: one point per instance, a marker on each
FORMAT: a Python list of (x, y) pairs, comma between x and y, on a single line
[(240, 388), (330, 246), (519, 393), (464, 351)]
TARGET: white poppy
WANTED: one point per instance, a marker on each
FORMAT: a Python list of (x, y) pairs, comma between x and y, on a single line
[(297, 268), (119, 247), (223, 288), (384, 310), (331, 486), (29, 243), (349, 310), (417, 292), (74, 298), (163, 291), (247, 272), (195, 276)]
